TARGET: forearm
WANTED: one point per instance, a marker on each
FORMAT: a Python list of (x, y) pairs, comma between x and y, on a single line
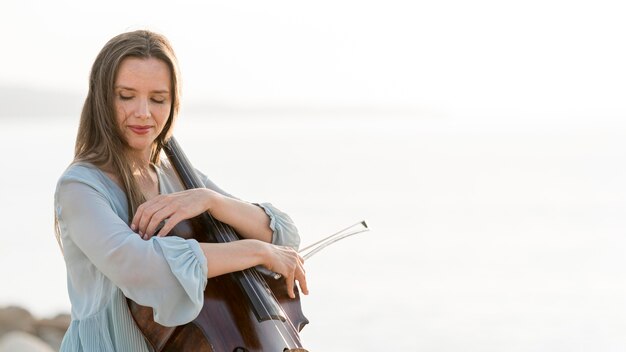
[(233, 256), (223, 258), (248, 220)]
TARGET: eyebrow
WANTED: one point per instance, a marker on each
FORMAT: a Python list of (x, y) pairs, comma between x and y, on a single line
[(162, 91)]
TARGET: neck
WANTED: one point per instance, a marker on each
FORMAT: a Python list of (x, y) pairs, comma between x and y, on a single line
[(140, 161), (145, 175)]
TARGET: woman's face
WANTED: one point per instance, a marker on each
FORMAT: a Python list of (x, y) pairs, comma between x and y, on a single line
[(142, 101)]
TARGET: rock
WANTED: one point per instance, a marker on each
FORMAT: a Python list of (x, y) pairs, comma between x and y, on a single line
[(33, 332), (53, 330), (61, 322), (16, 318), (18, 341)]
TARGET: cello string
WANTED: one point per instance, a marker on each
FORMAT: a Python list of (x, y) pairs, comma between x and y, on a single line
[(173, 145), (256, 277)]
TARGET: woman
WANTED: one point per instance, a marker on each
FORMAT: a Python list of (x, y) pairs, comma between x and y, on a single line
[(112, 199)]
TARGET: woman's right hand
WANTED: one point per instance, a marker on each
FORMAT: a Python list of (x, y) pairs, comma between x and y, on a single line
[(287, 262)]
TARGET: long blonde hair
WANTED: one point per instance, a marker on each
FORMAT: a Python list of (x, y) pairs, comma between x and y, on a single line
[(99, 140)]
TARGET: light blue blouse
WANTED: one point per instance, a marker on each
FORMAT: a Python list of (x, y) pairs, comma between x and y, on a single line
[(106, 261)]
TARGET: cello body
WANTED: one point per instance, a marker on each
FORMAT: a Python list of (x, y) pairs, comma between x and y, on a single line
[(224, 323), (242, 311)]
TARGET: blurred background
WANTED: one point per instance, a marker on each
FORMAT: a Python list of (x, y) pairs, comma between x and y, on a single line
[(482, 141)]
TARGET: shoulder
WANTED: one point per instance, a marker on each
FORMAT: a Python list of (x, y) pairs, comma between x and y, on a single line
[(87, 174), (85, 185), (80, 171)]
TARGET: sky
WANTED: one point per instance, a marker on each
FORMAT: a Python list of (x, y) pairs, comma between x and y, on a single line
[(454, 58)]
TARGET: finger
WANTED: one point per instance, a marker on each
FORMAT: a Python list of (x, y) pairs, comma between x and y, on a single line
[(302, 281), (146, 217), (290, 283), (156, 220), (136, 217), (139, 218), (169, 225)]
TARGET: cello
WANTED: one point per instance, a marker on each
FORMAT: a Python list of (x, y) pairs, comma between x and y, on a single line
[(245, 311)]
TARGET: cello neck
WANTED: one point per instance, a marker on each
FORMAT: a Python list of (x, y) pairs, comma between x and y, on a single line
[(214, 230), (254, 286)]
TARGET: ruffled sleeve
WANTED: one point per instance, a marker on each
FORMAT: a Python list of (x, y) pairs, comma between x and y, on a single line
[(168, 274), (284, 231), (181, 303)]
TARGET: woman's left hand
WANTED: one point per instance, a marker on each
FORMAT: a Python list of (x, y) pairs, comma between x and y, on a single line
[(173, 207)]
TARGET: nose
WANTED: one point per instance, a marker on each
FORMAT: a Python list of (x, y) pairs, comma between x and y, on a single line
[(143, 109)]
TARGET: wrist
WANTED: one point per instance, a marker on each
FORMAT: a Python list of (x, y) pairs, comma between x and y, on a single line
[(211, 200), (263, 253)]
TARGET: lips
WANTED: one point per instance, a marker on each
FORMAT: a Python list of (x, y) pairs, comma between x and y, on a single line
[(140, 129)]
